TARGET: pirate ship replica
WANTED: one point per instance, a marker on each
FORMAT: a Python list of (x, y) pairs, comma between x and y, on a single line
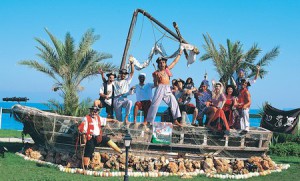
[(57, 132), (60, 133)]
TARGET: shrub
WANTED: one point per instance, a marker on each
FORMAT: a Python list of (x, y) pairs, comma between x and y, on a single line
[(285, 149)]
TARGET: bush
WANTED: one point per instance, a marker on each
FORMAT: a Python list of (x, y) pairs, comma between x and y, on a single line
[(282, 138), (285, 149)]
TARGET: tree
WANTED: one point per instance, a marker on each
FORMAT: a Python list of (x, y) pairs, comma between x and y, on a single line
[(69, 66), (228, 60)]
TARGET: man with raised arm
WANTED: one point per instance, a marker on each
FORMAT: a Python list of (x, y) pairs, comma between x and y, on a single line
[(241, 75), (121, 91), (161, 78), (106, 94)]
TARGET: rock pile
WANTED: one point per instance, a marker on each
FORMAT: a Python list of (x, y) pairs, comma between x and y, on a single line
[(208, 165)]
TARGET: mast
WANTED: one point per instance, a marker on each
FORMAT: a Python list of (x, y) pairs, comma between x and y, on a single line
[(132, 25)]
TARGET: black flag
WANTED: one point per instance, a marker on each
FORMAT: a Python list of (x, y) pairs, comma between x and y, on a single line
[(280, 121)]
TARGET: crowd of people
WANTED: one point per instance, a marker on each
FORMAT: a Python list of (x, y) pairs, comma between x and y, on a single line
[(218, 109), (222, 109)]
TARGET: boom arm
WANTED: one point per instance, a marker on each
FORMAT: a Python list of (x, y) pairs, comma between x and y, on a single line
[(133, 21)]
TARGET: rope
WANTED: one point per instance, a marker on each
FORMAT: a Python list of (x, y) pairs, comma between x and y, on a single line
[(153, 30), (172, 38)]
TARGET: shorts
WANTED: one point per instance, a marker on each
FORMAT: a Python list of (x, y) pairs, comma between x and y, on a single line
[(188, 108), (143, 106), (92, 143)]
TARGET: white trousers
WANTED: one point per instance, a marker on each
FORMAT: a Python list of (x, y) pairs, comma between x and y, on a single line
[(244, 119), (120, 103), (163, 92)]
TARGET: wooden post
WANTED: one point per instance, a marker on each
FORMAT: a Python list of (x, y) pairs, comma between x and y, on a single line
[(243, 142), (226, 140), (181, 138), (205, 140), (260, 141)]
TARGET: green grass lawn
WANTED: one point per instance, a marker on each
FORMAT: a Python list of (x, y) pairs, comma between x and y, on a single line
[(11, 134), (13, 167)]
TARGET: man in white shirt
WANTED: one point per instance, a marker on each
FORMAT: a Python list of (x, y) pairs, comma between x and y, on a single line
[(121, 92), (106, 95), (143, 96)]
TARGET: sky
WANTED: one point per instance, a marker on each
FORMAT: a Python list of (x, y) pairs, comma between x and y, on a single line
[(264, 22)]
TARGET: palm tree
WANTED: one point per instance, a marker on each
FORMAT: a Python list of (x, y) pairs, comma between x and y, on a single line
[(230, 59), (69, 66)]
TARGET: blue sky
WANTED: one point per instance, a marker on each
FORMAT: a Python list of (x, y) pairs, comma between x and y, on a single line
[(267, 23)]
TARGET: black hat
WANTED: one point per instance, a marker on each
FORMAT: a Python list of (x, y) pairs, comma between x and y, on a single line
[(123, 71), (247, 81), (161, 59), (109, 74), (95, 108)]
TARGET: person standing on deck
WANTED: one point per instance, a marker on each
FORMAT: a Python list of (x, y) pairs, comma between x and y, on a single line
[(161, 79), (143, 96), (122, 91), (244, 102)]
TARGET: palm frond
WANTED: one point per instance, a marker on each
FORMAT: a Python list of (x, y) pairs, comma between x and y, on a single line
[(83, 108), (86, 42), (55, 106), (39, 67), (49, 58), (228, 61), (252, 53), (58, 45), (265, 60), (69, 52)]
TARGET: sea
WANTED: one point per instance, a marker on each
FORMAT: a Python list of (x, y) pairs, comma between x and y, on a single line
[(9, 123)]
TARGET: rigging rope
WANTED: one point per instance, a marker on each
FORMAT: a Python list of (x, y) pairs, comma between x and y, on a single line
[(172, 38)]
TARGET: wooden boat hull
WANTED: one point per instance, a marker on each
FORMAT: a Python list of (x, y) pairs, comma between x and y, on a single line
[(59, 132)]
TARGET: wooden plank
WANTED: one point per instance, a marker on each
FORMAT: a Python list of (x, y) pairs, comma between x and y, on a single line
[(237, 148)]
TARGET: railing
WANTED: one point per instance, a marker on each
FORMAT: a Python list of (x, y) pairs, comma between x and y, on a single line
[(159, 114)]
